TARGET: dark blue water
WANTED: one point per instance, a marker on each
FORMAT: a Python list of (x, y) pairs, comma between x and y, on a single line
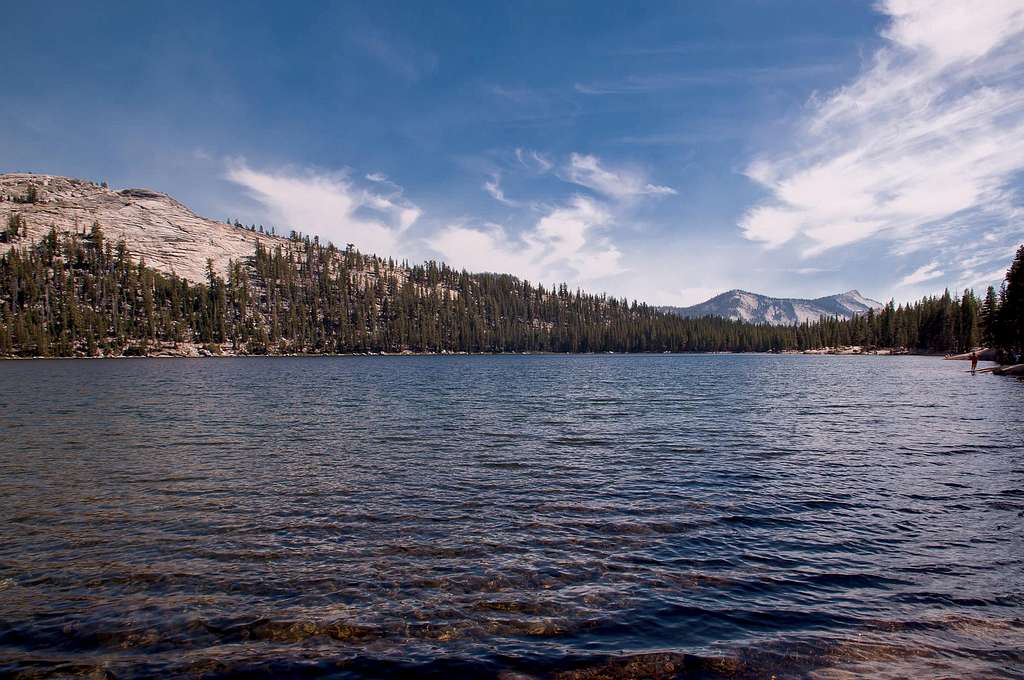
[(545, 516)]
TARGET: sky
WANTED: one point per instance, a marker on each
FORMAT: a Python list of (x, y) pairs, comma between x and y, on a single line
[(664, 152)]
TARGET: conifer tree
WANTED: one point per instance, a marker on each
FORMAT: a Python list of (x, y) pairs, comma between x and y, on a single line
[(1011, 309), (989, 316)]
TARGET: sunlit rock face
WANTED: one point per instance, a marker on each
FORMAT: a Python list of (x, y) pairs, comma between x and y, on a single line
[(165, 233)]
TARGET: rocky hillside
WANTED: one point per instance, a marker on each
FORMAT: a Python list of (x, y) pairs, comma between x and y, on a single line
[(741, 305), (169, 236)]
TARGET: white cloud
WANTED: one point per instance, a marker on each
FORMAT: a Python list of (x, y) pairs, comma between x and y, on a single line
[(930, 133), (921, 274), (564, 244), (587, 171), (328, 205)]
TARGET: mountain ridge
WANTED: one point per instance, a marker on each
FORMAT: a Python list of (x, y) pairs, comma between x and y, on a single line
[(742, 305)]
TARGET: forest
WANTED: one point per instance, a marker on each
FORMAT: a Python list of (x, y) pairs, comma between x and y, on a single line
[(82, 295)]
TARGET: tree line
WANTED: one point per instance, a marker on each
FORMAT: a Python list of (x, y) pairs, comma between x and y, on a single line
[(81, 295)]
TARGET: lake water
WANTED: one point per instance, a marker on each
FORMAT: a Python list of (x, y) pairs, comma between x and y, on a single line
[(572, 517)]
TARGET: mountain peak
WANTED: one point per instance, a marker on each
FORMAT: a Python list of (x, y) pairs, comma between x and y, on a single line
[(742, 305)]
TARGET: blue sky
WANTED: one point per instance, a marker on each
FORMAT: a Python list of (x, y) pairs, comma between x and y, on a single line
[(660, 151)]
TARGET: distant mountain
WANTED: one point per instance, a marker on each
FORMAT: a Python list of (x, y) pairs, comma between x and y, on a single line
[(744, 306)]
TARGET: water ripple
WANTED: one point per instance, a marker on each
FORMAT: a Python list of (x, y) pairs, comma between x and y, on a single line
[(511, 517)]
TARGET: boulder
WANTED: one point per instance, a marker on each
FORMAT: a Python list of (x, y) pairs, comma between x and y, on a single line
[(1016, 370), (984, 354)]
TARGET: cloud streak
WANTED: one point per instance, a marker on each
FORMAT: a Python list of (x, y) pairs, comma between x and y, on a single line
[(932, 131)]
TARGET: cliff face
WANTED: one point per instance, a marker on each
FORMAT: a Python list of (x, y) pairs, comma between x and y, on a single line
[(156, 227)]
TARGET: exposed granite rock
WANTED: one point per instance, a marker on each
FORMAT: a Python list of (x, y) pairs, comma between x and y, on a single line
[(984, 354), (156, 227)]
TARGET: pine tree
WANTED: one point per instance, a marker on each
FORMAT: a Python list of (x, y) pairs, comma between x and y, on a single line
[(989, 317), (1011, 309), (15, 226), (969, 325)]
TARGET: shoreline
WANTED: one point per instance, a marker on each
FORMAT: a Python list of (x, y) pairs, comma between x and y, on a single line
[(234, 355), (993, 368), (187, 349)]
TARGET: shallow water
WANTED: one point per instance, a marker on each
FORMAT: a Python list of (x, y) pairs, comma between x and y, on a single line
[(530, 516)]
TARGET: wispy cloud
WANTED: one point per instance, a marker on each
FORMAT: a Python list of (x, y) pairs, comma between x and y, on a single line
[(732, 44), (566, 243), (534, 160), (931, 131), (921, 274), (528, 106), (986, 264), (621, 183), (397, 56), (517, 95), (329, 205), (681, 138), (660, 82), (686, 297), (973, 279), (803, 271), (493, 187)]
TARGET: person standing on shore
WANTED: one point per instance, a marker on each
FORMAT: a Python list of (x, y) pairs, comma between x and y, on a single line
[(974, 362)]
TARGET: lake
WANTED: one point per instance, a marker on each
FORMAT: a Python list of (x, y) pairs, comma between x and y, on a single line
[(572, 517)]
